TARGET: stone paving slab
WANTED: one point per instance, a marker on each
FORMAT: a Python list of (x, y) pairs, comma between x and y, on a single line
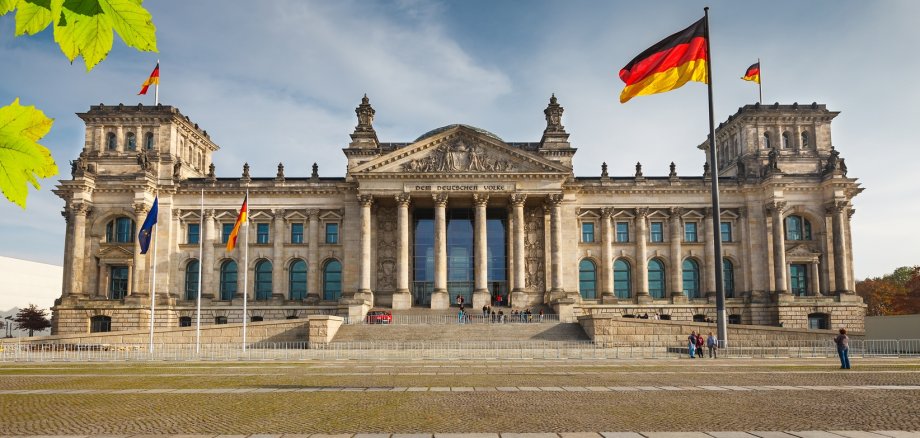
[(675, 435), (898, 433), (621, 435), (466, 435), (857, 434), (772, 434), (370, 435), (814, 434), (411, 435), (579, 435), (731, 435), (529, 435)]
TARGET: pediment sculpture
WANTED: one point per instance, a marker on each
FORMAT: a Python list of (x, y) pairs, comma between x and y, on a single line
[(458, 156)]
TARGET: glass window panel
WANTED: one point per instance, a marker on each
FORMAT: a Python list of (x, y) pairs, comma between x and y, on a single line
[(296, 233), (726, 230), (690, 232), (691, 278), (657, 232), (226, 229), (191, 280), (332, 233), (587, 279), (656, 283), (622, 284), (100, 324), (118, 282), (264, 280), (728, 278), (587, 232), (332, 280), (798, 279), (124, 230), (793, 228), (262, 233), (228, 282), (193, 233), (298, 280), (622, 231)]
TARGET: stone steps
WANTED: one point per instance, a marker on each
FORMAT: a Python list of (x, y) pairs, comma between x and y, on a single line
[(524, 332)]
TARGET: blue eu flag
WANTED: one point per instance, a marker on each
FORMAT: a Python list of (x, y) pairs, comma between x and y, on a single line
[(143, 237)]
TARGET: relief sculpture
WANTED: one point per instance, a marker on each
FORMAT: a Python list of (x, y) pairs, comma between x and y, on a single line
[(386, 249), (458, 156), (535, 267)]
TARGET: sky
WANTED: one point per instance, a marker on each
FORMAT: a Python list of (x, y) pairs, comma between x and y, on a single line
[(279, 80)]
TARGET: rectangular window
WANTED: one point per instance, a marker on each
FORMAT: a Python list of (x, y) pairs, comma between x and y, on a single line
[(118, 282), (332, 233), (226, 229), (587, 232), (296, 233), (726, 230), (657, 232), (261, 233), (798, 279), (690, 232), (193, 233), (622, 231)]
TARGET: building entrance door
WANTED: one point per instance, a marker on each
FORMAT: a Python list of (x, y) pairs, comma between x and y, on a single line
[(460, 255)]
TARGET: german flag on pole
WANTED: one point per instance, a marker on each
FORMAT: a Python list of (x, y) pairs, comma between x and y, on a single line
[(240, 220), (154, 79), (668, 65), (753, 73)]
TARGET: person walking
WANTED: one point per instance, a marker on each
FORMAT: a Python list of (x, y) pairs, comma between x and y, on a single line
[(691, 344), (843, 349), (712, 344), (699, 345)]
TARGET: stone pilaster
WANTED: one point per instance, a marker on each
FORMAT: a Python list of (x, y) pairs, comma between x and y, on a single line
[(481, 296), (313, 274), (554, 203), (402, 298), (279, 291), (79, 212), (607, 295), (775, 209), (364, 285), (440, 298), (675, 282), (139, 285), (838, 211), (517, 206), (709, 254), (642, 295), (207, 266)]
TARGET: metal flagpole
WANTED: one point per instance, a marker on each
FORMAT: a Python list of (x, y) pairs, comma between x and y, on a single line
[(245, 225), (200, 268), (716, 211), (153, 280), (156, 91), (759, 82)]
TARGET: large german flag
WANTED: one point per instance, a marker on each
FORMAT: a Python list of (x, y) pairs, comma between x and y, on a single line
[(668, 65), (154, 79), (240, 221), (753, 73)]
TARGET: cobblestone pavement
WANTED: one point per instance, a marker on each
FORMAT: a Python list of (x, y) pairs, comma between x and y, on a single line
[(723, 434), (424, 397)]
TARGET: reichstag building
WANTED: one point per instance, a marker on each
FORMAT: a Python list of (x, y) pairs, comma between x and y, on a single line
[(458, 212)]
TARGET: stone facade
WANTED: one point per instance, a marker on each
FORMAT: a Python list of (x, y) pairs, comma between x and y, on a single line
[(535, 233)]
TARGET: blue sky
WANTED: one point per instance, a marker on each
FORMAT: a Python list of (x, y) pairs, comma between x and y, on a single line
[(278, 81)]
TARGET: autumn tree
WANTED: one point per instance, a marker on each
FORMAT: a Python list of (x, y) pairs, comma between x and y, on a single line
[(897, 293), (32, 319)]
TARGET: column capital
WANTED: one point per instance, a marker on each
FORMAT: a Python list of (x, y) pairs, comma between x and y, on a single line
[(140, 208), (440, 199), (707, 212), (641, 213), (365, 200), (403, 199), (850, 213), (177, 213), (675, 213), (480, 199), (742, 211), (209, 213), (554, 199), (278, 213), (607, 212), (313, 213), (518, 198), (836, 207), (79, 208), (775, 206)]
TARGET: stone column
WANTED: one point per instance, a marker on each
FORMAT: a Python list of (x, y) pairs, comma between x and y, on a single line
[(314, 293), (402, 298), (607, 295), (554, 202), (775, 209), (176, 285), (77, 273), (279, 291), (642, 295), (838, 212), (813, 278), (517, 205), (676, 281), (208, 289), (364, 280), (440, 299), (709, 254), (481, 296), (139, 285)]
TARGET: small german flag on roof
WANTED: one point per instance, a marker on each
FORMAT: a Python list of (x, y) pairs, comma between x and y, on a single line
[(753, 73), (668, 65)]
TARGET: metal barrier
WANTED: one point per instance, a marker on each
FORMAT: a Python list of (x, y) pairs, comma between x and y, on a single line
[(464, 350)]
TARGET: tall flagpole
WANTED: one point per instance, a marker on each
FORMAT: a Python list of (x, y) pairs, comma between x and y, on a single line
[(716, 210), (156, 91), (760, 82), (245, 225), (153, 280), (200, 268)]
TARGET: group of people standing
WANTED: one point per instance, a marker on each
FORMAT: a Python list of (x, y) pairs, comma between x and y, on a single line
[(695, 344)]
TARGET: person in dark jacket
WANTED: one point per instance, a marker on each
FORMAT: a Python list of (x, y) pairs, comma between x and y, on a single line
[(843, 349)]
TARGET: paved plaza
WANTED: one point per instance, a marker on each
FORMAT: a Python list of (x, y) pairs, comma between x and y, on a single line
[(543, 399)]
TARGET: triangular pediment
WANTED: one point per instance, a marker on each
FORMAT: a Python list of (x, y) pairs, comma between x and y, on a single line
[(459, 150), (802, 251)]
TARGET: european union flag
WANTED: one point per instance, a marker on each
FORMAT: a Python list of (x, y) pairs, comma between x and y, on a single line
[(147, 229)]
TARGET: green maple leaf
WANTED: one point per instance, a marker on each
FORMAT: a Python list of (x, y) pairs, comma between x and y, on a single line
[(22, 159), (85, 27)]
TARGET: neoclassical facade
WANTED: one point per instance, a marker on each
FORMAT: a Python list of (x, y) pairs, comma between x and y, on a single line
[(458, 212)]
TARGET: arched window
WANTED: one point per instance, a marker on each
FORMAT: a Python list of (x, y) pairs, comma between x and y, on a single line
[(587, 279), (263, 280), (191, 280), (220, 320), (787, 144), (728, 278), (766, 140), (797, 228), (111, 142), (332, 280), (691, 272), (148, 141), (130, 142), (805, 144), (185, 321), (656, 283), (228, 280), (819, 321), (297, 280), (100, 323), (120, 230), (622, 281)]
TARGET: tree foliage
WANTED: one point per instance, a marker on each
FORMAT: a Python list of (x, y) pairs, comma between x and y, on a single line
[(32, 319), (81, 28), (897, 293)]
